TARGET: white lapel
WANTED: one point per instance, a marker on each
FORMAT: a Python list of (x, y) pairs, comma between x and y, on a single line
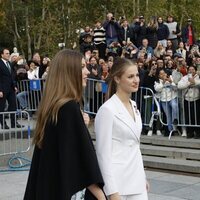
[(123, 115)]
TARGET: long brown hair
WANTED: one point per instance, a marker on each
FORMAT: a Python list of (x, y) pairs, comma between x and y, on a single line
[(119, 67), (64, 83)]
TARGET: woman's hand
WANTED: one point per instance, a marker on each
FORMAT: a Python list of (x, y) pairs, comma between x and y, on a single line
[(86, 118), (114, 196), (1, 94), (97, 192)]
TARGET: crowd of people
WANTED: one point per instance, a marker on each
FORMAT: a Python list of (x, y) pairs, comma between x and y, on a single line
[(168, 60)]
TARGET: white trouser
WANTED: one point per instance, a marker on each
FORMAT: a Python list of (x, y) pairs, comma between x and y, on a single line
[(142, 196)]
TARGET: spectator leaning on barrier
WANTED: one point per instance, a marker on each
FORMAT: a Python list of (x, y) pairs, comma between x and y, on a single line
[(190, 85), (22, 86), (176, 76), (92, 91), (149, 80), (33, 72), (167, 92)]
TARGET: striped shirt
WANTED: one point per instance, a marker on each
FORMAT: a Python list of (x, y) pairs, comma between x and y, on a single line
[(99, 35)]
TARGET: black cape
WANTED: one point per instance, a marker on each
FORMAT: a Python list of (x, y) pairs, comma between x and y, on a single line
[(67, 162)]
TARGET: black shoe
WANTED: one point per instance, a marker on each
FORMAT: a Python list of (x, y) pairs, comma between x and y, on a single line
[(197, 137), (5, 126), (17, 125), (189, 136), (175, 122)]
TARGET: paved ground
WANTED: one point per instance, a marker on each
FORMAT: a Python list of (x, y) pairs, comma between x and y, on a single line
[(164, 186)]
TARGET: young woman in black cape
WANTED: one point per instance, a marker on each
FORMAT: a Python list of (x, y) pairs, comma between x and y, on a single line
[(64, 161)]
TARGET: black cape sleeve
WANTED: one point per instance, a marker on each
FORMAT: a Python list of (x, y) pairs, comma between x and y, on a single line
[(71, 164)]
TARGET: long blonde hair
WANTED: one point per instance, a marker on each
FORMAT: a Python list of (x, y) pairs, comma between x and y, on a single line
[(64, 83)]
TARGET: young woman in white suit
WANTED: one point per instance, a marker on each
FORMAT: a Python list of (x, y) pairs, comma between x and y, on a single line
[(118, 127)]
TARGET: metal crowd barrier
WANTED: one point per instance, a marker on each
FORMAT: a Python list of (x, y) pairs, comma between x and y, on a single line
[(15, 141), (179, 110), (30, 94), (94, 95)]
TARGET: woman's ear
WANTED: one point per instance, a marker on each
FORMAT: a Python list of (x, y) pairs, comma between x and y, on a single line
[(116, 79)]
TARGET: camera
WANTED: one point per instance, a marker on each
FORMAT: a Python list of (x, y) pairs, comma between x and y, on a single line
[(112, 18)]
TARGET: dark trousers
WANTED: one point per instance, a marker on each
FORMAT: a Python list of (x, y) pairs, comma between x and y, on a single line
[(102, 50), (11, 99)]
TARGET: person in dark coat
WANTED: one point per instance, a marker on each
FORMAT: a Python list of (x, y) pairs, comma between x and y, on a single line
[(7, 90), (64, 161), (151, 33), (140, 30), (125, 34), (188, 33), (162, 32)]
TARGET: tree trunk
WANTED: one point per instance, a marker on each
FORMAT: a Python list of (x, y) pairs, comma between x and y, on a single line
[(38, 43), (28, 35), (16, 32), (147, 5), (64, 24), (68, 19), (134, 8), (169, 6), (138, 7)]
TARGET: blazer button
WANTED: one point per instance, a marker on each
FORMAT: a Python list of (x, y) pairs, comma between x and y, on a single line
[(131, 144)]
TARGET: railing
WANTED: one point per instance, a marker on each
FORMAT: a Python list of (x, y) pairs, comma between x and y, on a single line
[(151, 108), (15, 139)]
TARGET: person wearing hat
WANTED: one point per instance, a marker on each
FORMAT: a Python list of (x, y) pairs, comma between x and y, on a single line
[(188, 35), (140, 30)]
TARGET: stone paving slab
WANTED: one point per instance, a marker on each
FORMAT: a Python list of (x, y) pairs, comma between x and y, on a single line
[(164, 186)]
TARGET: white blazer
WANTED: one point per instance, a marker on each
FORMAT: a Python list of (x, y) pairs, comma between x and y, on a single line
[(118, 148)]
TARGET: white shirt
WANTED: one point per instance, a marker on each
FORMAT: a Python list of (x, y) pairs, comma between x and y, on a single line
[(33, 74)]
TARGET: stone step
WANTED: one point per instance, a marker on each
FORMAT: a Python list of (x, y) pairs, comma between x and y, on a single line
[(171, 164), (170, 152), (175, 141)]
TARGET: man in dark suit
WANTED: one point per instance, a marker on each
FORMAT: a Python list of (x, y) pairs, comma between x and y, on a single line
[(7, 89)]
